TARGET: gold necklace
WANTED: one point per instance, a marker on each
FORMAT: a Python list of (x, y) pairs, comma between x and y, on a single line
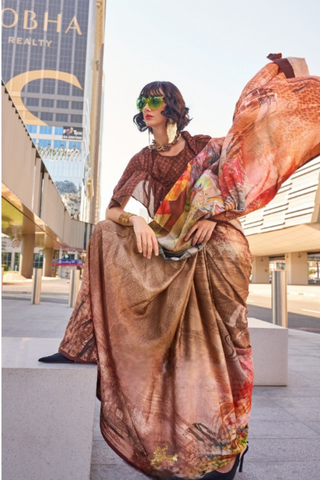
[(166, 146)]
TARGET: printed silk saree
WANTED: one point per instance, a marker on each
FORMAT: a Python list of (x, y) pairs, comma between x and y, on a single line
[(170, 337)]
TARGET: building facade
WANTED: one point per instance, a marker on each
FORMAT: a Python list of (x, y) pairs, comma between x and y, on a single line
[(285, 234), (51, 71)]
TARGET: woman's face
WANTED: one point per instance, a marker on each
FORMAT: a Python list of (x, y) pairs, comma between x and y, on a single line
[(154, 118)]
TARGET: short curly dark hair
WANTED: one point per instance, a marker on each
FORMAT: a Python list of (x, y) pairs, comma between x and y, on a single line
[(175, 105)]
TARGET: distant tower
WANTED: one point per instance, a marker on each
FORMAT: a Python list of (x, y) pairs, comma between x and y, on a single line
[(49, 64)]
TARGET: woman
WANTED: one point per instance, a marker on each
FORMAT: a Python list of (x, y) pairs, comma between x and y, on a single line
[(162, 307)]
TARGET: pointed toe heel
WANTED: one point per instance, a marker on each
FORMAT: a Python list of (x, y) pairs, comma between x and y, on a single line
[(232, 473)]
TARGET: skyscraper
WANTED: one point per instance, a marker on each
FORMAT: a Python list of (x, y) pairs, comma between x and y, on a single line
[(50, 67)]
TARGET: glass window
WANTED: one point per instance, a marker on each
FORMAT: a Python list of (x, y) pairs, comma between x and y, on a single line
[(77, 105), (46, 102), (64, 89), (60, 144), (32, 128), (61, 117), (48, 85), (6, 260), (76, 145), (46, 117), (32, 102), (76, 119), (33, 87), (58, 130), (46, 130), (76, 92), (16, 261), (44, 143), (62, 104)]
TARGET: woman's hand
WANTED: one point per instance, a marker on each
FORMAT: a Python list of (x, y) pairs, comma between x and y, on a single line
[(146, 238), (203, 229)]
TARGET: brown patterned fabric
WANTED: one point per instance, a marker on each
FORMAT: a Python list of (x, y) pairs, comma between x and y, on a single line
[(149, 175), (172, 344)]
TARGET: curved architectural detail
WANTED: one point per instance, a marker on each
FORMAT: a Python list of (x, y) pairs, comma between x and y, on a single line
[(17, 83)]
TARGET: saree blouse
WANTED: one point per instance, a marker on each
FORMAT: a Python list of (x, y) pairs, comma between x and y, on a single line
[(149, 175)]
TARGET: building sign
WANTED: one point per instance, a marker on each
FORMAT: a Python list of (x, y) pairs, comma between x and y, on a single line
[(44, 47), (63, 262), (72, 133), (44, 66)]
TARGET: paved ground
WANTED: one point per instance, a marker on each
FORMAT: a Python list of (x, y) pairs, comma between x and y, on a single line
[(303, 301), (285, 422)]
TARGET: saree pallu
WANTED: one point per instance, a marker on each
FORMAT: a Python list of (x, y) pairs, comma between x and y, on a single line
[(173, 350), (275, 130)]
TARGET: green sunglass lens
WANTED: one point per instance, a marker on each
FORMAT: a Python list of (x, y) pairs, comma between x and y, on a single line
[(155, 102), (141, 103)]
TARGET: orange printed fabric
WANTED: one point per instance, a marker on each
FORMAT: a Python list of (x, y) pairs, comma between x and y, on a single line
[(276, 129)]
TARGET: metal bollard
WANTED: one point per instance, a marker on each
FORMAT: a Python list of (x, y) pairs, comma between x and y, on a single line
[(279, 299), (36, 286), (74, 287)]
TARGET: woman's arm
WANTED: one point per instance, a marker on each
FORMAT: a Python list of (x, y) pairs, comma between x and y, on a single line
[(115, 212), (146, 239)]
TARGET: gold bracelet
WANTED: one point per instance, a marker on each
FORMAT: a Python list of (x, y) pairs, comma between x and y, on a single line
[(124, 218)]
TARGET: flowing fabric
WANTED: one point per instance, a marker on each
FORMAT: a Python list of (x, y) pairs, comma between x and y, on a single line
[(276, 130), (171, 338)]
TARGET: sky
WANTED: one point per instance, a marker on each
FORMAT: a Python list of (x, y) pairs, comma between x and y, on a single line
[(208, 48)]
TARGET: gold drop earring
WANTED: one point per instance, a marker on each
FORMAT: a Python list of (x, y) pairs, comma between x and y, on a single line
[(171, 130)]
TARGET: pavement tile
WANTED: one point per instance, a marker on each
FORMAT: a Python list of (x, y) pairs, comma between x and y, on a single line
[(297, 379), (303, 408), (314, 426), (290, 391), (116, 472), (97, 435), (258, 391), (302, 336), (312, 351), (302, 342), (303, 348), (311, 372), (304, 360), (306, 348), (271, 429), (283, 449), (103, 454), (279, 471), (35, 333), (264, 407)]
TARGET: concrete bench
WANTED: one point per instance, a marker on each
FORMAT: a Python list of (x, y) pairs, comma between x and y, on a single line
[(48, 413), (270, 352)]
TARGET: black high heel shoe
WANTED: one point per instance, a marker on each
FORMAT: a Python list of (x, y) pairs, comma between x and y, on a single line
[(228, 475), (55, 358)]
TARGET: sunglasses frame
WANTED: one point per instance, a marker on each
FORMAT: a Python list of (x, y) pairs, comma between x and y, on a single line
[(148, 100)]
